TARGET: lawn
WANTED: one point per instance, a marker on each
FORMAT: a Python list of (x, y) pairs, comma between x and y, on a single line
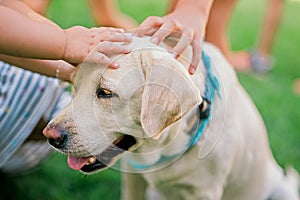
[(272, 93)]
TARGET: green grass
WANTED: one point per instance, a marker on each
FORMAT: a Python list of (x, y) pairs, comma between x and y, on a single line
[(272, 93)]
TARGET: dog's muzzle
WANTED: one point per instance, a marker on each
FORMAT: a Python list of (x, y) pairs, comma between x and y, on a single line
[(108, 156), (58, 139)]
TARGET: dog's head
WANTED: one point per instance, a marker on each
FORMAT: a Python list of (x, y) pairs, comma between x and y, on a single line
[(113, 110)]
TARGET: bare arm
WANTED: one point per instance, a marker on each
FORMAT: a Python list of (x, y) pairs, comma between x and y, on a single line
[(23, 37), (24, 9), (25, 33), (53, 68), (189, 18)]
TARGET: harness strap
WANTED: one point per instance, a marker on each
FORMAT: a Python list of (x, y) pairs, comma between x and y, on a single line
[(205, 109)]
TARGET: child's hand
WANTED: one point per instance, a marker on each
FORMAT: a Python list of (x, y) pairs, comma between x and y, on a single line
[(190, 34), (94, 45)]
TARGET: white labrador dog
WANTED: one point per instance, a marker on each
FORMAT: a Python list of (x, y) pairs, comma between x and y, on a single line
[(147, 112)]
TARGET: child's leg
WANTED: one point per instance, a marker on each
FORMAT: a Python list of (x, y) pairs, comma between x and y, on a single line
[(107, 13), (39, 6), (297, 86), (216, 32), (270, 26)]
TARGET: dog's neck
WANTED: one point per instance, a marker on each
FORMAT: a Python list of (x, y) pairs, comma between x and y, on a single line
[(181, 137)]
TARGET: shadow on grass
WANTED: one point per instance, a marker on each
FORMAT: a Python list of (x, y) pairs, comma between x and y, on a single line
[(55, 180)]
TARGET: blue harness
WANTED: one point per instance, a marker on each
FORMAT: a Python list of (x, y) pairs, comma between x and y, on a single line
[(211, 86)]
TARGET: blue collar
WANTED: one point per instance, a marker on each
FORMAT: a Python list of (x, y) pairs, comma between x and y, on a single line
[(211, 86)]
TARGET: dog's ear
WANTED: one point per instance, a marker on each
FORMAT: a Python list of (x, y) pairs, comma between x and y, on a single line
[(168, 95)]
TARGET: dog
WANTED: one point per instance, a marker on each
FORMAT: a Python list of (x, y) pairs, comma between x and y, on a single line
[(180, 136)]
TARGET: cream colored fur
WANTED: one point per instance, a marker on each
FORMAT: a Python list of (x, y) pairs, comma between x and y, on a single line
[(156, 101)]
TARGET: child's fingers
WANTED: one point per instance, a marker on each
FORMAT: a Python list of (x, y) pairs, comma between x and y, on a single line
[(118, 37), (151, 31), (197, 49), (98, 58), (100, 54), (147, 24), (110, 36), (107, 29), (112, 48), (184, 41), (166, 29)]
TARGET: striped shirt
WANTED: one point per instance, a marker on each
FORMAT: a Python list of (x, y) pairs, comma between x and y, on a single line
[(25, 97)]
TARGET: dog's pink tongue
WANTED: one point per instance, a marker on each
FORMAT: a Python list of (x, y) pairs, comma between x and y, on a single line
[(77, 163)]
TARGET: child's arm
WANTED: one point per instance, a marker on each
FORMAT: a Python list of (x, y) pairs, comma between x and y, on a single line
[(53, 68), (99, 54), (24, 37), (24, 9), (189, 19)]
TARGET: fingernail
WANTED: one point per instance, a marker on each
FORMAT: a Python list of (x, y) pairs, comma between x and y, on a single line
[(175, 55), (127, 51), (154, 40), (192, 69), (120, 29), (114, 65)]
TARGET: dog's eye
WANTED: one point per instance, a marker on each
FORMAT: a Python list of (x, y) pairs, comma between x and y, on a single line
[(104, 93)]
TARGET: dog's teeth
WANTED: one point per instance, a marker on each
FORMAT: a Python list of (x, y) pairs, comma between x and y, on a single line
[(92, 160)]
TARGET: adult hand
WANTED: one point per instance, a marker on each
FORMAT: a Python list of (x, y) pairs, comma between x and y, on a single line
[(94, 45)]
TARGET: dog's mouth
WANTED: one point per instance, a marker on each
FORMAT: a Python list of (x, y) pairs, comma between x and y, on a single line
[(93, 163)]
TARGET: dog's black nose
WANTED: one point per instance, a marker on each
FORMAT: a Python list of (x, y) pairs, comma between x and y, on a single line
[(58, 142), (56, 137)]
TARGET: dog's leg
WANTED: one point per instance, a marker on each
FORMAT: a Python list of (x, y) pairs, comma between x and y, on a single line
[(285, 185), (133, 186)]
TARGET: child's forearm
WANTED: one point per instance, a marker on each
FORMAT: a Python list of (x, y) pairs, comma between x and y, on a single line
[(22, 8), (195, 7), (23, 37), (25, 33), (53, 68)]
